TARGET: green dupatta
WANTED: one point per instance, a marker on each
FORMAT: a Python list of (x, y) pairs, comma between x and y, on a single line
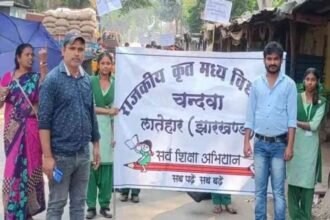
[(100, 99)]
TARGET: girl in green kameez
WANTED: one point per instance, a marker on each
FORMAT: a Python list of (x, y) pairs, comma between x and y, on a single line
[(144, 148), (220, 200), (304, 170), (101, 177)]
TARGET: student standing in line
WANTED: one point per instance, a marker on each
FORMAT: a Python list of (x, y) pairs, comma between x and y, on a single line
[(101, 179), (304, 170)]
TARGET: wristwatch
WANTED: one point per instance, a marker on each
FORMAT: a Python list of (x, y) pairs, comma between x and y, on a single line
[(43, 63)]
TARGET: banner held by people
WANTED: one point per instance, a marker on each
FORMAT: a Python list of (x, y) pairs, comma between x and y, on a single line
[(181, 120)]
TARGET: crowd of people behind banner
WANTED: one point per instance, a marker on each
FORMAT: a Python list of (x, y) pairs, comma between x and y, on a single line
[(60, 122)]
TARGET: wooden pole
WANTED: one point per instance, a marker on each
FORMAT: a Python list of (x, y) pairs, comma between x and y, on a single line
[(327, 59), (249, 34), (293, 38)]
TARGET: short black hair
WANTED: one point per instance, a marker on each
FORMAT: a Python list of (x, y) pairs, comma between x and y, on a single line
[(126, 44), (273, 47)]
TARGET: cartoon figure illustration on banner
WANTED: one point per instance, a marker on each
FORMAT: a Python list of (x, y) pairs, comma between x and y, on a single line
[(144, 148)]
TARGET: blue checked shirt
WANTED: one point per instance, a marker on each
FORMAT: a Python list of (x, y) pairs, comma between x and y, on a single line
[(271, 111), (66, 108)]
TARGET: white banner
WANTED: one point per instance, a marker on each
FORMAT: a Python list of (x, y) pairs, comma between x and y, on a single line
[(106, 6), (181, 119), (217, 11)]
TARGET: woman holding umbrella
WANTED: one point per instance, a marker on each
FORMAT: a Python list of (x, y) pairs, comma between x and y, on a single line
[(23, 186)]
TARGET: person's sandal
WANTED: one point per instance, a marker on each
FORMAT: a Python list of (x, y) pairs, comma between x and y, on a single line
[(230, 210), (217, 209)]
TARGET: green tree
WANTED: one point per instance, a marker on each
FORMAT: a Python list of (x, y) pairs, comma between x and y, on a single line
[(168, 10), (186, 6), (129, 5), (131, 25), (252, 5), (278, 3), (238, 8), (194, 21), (77, 4), (38, 5)]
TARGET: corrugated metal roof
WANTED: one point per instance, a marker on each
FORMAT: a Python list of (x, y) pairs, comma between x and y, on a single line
[(319, 7), (271, 13), (267, 14)]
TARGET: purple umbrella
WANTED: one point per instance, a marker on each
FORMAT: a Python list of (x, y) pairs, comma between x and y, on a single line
[(15, 31)]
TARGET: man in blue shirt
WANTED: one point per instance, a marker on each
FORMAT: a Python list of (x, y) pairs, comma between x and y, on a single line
[(67, 123), (271, 114)]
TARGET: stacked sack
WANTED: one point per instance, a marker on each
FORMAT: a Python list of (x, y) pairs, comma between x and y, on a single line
[(63, 20)]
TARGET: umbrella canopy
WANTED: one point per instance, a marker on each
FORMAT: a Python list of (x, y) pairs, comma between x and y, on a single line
[(15, 31)]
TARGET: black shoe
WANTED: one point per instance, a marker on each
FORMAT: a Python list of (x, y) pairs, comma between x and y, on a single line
[(91, 213), (135, 199), (123, 197), (105, 212)]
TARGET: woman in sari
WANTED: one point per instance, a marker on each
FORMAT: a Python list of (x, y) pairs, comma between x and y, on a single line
[(100, 179), (304, 170), (23, 186)]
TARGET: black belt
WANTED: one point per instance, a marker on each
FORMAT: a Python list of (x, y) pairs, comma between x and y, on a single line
[(278, 138)]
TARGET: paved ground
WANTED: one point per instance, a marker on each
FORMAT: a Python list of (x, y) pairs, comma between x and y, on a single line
[(161, 205), (165, 205)]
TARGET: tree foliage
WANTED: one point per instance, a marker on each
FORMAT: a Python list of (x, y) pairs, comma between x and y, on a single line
[(132, 25), (239, 7), (164, 10), (193, 19), (75, 3), (278, 3), (168, 10), (252, 5), (38, 6), (129, 5)]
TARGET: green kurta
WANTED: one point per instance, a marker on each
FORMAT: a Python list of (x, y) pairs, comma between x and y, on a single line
[(104, 99), (304, 168), (221, 199), (145, 159)]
